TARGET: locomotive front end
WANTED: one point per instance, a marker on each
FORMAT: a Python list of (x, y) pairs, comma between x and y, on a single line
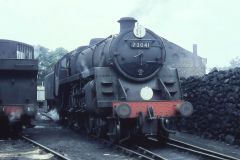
[(149, 92)]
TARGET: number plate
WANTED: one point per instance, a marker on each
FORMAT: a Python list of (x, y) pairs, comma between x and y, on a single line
[(139, 44)]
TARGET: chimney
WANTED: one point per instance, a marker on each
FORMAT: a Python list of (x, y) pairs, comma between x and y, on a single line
[(195, 49), (127, 23)]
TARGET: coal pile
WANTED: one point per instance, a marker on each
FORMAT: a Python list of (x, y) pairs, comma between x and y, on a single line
[(216, 101)]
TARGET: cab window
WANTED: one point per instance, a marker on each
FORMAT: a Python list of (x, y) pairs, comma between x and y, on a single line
[(24, 52), (64, 63)]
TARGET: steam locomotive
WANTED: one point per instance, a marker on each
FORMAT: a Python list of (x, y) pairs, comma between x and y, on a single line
[(118, 86), (18, 84)]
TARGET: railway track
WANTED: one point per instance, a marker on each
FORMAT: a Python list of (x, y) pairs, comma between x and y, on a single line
[(179, 148), (198, 150), (135, 151), (130, 150), (55, 154), (151, 150), (146, 153)]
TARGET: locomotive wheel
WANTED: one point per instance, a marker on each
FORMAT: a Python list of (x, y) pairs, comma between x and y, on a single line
[(114, 131), (100, 128), (89, 124), (15, 129), (80, 120), (62, 119), (26, 121), (71, 121)]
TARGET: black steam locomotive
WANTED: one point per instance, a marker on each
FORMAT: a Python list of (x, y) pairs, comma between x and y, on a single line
[(118, 86), (18, 84)]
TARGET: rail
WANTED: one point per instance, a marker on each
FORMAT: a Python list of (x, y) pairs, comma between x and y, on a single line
[(58, 155), (199, 150)]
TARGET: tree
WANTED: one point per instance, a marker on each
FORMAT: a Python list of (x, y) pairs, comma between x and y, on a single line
[(47, 59), (235, 62), (54, 56)]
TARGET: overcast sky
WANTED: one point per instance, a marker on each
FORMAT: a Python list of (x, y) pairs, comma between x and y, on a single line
[(213, 24)]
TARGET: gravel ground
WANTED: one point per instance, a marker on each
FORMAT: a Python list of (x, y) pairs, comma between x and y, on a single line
[(74, 145), (168, 152), (20, 150)]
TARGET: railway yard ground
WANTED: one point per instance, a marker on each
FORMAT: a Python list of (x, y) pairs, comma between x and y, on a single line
[(65, 141), (74, 145), (19, 150)]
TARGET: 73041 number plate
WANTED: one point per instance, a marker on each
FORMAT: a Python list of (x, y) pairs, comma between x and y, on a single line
[(140, 44)]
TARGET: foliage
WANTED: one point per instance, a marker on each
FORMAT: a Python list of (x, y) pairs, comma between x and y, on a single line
[(47, 59), (235, 62)]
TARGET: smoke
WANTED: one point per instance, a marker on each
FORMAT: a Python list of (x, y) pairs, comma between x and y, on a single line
[(84, 65), (144, 7), (51, 115)]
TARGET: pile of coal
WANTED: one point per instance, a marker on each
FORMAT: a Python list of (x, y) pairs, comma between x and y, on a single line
[(216, 101)]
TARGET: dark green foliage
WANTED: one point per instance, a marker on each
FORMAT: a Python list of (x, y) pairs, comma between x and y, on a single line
[(47, 59)]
